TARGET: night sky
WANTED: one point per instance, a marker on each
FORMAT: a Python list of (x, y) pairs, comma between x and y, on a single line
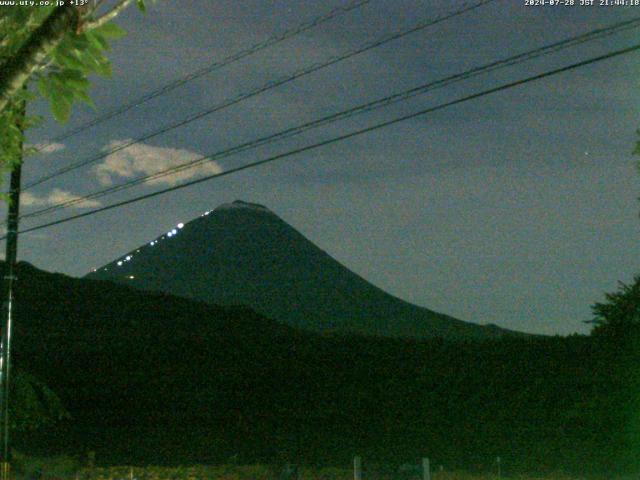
[(518, 208)]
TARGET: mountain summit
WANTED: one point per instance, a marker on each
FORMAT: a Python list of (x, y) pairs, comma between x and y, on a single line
[(244, 254)]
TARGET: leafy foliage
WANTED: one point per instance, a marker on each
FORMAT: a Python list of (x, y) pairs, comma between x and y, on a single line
[(620, 315), (60, 466), (65, 81), (62, 78), (36, 405)]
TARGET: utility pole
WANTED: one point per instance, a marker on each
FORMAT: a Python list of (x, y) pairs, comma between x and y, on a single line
[(7, 310)]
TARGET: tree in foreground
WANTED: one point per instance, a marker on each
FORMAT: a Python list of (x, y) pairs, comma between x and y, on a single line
[(36, 405), (617, 328), (619, 315), (56, 47)]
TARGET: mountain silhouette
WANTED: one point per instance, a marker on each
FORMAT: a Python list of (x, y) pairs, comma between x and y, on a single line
[(151, 378), (244, 254)]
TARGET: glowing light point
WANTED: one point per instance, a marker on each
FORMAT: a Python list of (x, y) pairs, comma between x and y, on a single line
[(180, 225), (128, 258), (131, 277), (174, 231), (169, 234), (120, 263)]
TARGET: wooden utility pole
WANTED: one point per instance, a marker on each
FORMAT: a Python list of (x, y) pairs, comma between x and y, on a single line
[(7, 310)]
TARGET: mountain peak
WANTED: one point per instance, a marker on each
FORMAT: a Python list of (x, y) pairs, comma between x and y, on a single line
[(241, 204), (244, 254)]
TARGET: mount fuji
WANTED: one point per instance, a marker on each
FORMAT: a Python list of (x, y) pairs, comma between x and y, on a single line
[(244, 254)]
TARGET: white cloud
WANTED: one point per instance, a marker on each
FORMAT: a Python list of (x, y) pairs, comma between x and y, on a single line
[(142, 160), (45, 148), (54, 197), (28, 199)]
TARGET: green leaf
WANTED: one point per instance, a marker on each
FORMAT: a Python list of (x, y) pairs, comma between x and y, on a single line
[(109, 31), (93, 60), (97, 41), (66, 59), (74, 79), (141, 6), (43, 87), (84, 98), (61, 87), (103, 68), (61, 107)]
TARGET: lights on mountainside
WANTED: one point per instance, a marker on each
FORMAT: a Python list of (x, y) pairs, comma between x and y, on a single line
[(131, 277), (152, 243), (170, 233)]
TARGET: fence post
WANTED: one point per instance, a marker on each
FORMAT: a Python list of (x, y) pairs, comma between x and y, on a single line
[(426, 469), (357, 468)]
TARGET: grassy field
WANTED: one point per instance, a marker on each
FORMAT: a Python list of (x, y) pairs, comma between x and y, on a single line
[(68, 468), (259, 472)]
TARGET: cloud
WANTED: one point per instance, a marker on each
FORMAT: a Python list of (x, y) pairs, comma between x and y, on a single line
[(141, 160), (46, 148), (55, 197)]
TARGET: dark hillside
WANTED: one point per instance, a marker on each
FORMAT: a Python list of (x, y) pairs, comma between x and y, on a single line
[(152, 378)]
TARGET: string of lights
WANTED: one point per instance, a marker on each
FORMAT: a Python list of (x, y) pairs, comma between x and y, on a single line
[(367, 107), (303, 72), (340, 138)]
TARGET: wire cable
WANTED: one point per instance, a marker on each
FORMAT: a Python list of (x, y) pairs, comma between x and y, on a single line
[(271, 41), (337, 139), (370, 106), (264, 88)]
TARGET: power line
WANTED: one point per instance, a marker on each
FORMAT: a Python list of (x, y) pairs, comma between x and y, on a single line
[(234, 57), (379, 103), (264, 88), (339, 138)]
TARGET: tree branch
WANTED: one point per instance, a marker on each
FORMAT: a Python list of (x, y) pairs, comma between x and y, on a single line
[(15, 71), (108, 16)]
